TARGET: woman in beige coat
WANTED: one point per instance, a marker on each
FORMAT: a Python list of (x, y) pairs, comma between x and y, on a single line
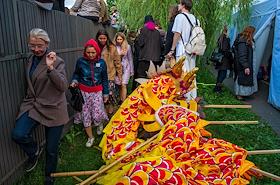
[(114, 67), (44, 103)]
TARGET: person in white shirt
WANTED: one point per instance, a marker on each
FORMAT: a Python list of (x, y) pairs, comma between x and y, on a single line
[(182, 29)]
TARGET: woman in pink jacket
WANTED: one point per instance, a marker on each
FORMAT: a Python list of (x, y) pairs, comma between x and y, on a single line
[(125, 52)]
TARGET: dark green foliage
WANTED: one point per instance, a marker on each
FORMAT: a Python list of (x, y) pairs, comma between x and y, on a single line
[(213, 14), (111, 3)]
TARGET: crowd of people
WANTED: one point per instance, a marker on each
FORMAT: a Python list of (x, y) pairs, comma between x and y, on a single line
[(238, 59), (103, 72)]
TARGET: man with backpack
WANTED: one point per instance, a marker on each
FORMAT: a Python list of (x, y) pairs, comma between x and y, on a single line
[(183, 30)]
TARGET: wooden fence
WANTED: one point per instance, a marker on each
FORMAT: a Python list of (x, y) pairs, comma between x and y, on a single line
[(68, 34)]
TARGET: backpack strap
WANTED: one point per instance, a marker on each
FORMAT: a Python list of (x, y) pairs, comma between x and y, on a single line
[(191, 26), (190, 20)]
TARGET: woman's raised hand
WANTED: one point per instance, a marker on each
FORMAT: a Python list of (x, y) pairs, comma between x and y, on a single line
[(50, 59)]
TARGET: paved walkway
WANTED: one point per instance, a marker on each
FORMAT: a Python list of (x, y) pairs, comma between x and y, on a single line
[(259, 103)]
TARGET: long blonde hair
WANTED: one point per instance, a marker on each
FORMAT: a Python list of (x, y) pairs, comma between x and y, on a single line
[(124, 45)]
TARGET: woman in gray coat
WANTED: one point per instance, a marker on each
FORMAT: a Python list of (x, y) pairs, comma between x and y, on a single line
[(44, 103)]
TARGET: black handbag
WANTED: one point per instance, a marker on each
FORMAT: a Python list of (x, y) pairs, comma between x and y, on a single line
[(216, 57), (77, 99)]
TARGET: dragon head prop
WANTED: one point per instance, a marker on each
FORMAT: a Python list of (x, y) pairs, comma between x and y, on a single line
[(184, 81), (166, 86), (181, 153)]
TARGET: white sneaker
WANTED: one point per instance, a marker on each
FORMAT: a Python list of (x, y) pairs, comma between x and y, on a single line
[(99, 129), (89, 143)]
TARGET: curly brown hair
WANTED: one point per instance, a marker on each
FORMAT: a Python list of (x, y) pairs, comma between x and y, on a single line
[(248, 33)]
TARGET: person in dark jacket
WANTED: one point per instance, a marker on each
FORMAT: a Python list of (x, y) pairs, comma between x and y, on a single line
[(150, 45), (136, 49), (244, 79), (90, 76), (226, 64), (59, 5), (173, 11), (44, 104)]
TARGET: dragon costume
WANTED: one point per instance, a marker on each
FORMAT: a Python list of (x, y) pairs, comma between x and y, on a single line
[(182, 153)]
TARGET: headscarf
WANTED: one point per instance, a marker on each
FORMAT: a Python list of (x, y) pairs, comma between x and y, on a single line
[(150, 25), (92, 43), (149, 22)]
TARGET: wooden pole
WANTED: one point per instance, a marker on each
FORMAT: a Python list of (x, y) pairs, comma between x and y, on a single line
[(256, 152), (95, 173), (67, 174), (77, 179), (83, 173), (91, 178), (228, 106), (232, 122), (266, 174), (206, 84)]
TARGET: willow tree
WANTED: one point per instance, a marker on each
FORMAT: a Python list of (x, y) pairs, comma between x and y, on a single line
[(213, 14)]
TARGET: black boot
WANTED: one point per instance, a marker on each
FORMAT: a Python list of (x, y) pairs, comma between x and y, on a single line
[(49, 180), (217, 89)]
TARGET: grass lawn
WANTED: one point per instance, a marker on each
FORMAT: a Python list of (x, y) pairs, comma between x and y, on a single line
[(74, 156)]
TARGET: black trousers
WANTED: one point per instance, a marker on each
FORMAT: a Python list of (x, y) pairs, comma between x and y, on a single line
[(222, 74)]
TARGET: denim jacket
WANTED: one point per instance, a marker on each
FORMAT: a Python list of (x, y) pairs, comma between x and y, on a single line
[(91, 74)]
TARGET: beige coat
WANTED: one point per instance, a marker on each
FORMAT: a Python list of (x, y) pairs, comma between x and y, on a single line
[(45, 98), (113, 62)]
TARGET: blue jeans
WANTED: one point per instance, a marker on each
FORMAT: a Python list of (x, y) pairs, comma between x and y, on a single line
[(22, 135)]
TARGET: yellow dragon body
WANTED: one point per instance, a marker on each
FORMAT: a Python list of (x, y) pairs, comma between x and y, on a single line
[(181, 154)]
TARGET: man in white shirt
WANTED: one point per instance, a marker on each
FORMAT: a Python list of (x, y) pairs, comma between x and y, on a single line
[(182, 29)]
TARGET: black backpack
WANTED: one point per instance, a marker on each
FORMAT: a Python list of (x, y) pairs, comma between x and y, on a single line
[(217, 55)]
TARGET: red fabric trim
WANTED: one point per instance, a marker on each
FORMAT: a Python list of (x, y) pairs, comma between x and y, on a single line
[(90, 88)]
